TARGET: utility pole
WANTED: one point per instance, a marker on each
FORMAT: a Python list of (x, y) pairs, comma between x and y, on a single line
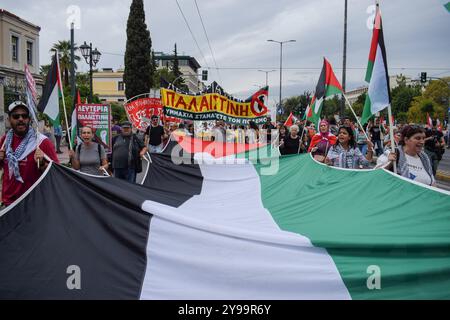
[(344, 67), (72, 60)]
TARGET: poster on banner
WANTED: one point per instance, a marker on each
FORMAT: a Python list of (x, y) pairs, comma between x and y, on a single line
[(216, 106), (98, 117), (140, 112)]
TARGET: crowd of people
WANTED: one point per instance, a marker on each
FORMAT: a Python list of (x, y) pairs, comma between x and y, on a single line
[(25, 153)]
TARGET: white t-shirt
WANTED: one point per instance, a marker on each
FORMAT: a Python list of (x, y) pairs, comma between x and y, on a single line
[(416, 170)]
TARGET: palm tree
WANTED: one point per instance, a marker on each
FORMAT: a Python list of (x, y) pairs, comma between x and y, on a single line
[(63, 48)]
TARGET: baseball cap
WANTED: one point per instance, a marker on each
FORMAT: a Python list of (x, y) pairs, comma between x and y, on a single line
[(16, 104), (126, 124)]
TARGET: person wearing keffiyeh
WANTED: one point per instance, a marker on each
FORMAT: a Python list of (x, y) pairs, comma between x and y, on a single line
[(21, 151)]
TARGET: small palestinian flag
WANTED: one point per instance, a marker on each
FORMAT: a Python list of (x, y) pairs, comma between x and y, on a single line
[(290, 120), (328, 85), (49, 103)]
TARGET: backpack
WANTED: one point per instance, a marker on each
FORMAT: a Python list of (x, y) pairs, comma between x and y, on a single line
[(78, 150)]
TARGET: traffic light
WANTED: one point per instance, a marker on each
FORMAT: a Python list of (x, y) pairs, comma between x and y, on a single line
[(205, 75), (423, 77)]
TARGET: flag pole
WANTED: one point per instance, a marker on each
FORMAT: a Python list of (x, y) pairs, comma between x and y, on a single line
[(391, 134), (354, 114), (64, 102)]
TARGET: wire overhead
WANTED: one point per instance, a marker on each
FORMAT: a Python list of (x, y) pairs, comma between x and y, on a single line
[(192, 34), (207, 39)]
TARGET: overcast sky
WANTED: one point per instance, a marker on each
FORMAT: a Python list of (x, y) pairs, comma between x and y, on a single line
[(416, 35)]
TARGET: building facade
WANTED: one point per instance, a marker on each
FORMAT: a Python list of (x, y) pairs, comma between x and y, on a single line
[(109, 85), (19, 46)]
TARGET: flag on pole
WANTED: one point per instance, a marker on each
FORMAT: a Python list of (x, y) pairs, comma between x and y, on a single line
[(378, 96), (74, 123), (49, 103), (31, 92), (290, 120), (328, 85), (308, 113)]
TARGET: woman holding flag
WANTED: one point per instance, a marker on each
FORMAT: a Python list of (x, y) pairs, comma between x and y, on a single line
[(322, 141)]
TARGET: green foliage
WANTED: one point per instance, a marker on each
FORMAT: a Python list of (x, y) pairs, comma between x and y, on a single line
[(138, 58), (64, 48), (165, 74), (297, 104), (118, 112), (421, 106), (438, 91), (179, 83), (402, 97)]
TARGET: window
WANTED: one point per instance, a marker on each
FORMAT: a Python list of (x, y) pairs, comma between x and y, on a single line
[(121, 86), (15, 48), (30, 53)]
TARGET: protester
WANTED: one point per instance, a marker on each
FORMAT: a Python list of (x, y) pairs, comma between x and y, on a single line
[(376, 131), (345, 154), (291, 144), (22, 154), (89, 157), (127, 153), (116, 129), (268, 126), (154, 136), (322, 141), (434, 145), (412, 162), (58, 136), (219, 133), (252, 133)]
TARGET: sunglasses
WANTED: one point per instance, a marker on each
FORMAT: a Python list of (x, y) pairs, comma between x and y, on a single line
[(17, 116)]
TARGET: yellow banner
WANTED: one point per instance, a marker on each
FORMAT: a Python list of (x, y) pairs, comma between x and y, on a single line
[(213, 106)]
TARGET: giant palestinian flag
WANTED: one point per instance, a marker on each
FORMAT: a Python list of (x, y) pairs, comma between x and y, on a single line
[(328, 85), (378, 97), (210, 225), (49, 103)]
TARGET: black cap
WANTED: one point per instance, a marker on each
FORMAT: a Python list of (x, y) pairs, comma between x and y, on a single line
[(126, 124)]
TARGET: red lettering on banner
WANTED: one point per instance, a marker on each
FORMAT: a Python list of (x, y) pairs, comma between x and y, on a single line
[(193, 105), (204, 105), (222, 105), (243, 110), (181, 103), (170, 98)]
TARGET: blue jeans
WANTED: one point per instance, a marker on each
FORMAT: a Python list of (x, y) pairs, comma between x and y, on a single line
[(363, 148), (155, 149), (379, 147), (125, 174)]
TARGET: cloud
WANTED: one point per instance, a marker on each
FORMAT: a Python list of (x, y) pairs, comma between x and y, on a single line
[(415, 33)]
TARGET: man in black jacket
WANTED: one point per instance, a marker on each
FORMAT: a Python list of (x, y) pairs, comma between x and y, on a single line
[(127, 153)]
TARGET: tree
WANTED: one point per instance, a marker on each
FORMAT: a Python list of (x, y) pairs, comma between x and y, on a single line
[(421, 106), (358, 106), (64, 48), (138, 75), (438, 91), (403, 95), (43, 71), (179, 83)]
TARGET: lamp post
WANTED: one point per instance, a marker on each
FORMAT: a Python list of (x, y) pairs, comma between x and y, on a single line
[(92, 57), (281, 61), (267, 75)]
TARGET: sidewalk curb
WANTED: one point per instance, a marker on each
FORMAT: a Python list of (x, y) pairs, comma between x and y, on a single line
[(443, 175)]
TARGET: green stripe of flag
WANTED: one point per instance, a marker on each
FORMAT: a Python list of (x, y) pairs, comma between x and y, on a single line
[(391, 226)]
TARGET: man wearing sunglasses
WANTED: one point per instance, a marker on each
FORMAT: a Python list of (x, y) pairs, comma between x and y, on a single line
[(22, 150)]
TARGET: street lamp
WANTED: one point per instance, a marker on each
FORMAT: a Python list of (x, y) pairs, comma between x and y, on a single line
[(92, 57), (267, 75), (281, 60)]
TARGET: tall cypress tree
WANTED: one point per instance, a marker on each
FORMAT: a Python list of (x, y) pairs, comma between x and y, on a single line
[(179, 83), (138, 76)]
